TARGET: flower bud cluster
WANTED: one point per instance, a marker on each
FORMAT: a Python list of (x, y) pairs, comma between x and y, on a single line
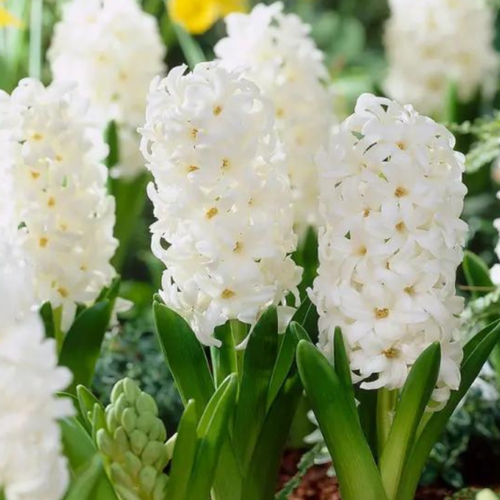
[(113, 50), (133, 441), (51, 162), (391, 240), (432, 44)]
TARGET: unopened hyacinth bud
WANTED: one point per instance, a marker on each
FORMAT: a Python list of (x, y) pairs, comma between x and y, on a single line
[(133, 442), (275, 50), (390, 242), (123, 51), (432, 44), (52, 162), (221, 197)]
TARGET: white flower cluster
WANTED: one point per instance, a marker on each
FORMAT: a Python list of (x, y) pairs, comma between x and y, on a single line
[(390, 242), (221, 197), (275, 51), (113, 50), (61, 212), (31, 462), (433, 43)]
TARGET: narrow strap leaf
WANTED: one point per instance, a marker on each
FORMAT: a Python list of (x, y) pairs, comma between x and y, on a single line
[(358, 475), (415, 397), (185, 357)]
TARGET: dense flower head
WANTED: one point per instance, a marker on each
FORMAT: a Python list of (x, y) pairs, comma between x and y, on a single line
[(431, 44), (113, 50), (31, 462), (221, 195), (390, 242), (52, 162), (275, 51)]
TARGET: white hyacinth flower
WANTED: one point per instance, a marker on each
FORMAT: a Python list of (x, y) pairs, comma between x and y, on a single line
[(113, 50), (60, 209), (275, 51), (431, 44), (32, 465), (221, 197), (390, 242)]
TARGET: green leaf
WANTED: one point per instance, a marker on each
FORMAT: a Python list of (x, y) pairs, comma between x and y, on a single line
[(476, 353), (85, 484), (258, 365), (82, 344), (47, 315), (340, 427), (477, 275), (192, 51), (184, 454), (86, 402), (342, 366), (304, 321), (185, 357), (261, 478), (212, 431), (79, 449), (415, 397), (113, 141), (130, 196)]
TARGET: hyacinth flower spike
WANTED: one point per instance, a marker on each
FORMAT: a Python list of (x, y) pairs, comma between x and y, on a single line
[(390, 368)]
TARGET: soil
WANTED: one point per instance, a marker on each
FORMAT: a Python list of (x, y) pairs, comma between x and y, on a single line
[(317, 485)]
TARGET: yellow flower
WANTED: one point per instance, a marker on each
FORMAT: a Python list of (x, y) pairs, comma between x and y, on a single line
[(228, 6), (198, 16), (7, 19)]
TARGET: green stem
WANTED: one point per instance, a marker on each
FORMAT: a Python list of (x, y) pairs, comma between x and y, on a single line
[(386, 404), (192, 51), (239, 332), (58, 333), (36, 39)]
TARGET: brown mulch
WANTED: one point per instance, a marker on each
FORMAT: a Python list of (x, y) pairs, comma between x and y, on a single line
[(316, 485)]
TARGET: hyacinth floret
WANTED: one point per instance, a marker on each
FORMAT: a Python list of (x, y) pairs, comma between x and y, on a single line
[(222, 198), (390, 242)]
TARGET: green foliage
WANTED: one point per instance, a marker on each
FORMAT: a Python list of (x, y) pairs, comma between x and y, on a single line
[(132, 351)]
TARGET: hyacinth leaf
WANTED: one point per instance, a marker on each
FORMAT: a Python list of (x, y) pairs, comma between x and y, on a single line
[(260, 480), (82, 344), (258, 365), (80, 450), (47, 315), (130, 196), (476, 352), (84, 485), (340, 427), (304, 320), (111, 292), (477, 275), (342, 367), (367, 411), (184, 454), (212, 432), (87, 402), (185, 357), (112, 139), (224, 358), (414, 399)]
